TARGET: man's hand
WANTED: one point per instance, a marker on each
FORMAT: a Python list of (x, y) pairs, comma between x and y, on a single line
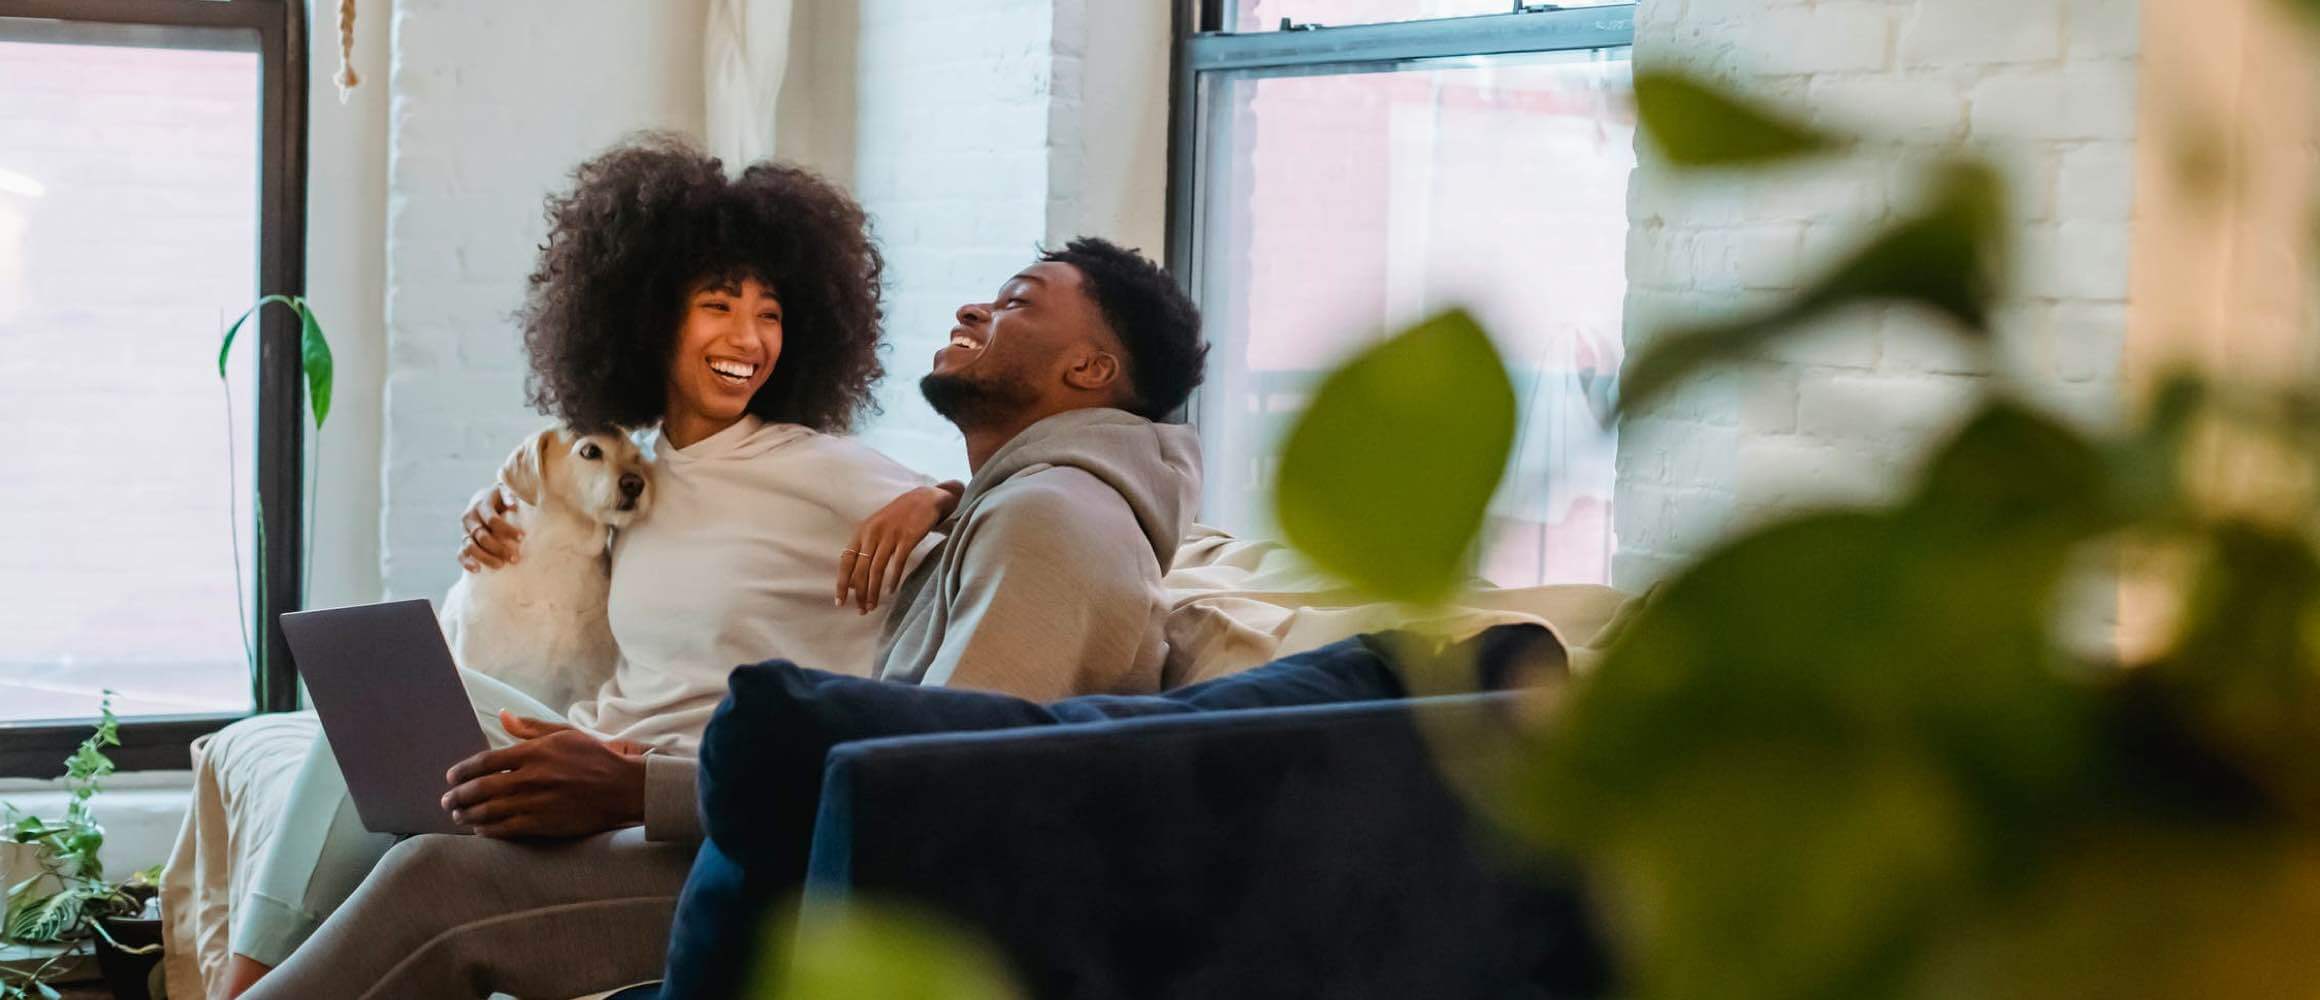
[(872, 565), (492, 540), (558, 782)]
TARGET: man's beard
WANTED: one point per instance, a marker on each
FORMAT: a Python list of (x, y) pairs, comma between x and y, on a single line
[(967, 402)]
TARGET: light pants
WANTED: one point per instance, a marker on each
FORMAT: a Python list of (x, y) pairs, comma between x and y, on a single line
[(321, 854), (461, 918)]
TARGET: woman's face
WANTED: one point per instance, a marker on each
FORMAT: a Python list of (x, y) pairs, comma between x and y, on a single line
[(726, 348)]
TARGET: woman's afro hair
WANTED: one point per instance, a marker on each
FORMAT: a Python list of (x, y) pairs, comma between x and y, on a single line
[(654, 219)]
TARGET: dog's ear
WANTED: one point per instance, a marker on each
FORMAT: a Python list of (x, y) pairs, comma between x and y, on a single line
[(522, 473)]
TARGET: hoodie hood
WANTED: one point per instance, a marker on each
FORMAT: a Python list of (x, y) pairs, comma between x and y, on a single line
[(1155, 467)]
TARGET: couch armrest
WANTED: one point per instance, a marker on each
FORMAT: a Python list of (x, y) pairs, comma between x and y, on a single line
[(1282, 852)]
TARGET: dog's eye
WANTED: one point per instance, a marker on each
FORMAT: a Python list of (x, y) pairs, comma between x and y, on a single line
[(591, 452)]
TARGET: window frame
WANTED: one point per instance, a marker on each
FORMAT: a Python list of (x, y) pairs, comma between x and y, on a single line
[(1203, 48), (38, 749)]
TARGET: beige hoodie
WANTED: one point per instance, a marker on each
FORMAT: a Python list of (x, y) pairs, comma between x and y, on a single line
[(1048, 582)]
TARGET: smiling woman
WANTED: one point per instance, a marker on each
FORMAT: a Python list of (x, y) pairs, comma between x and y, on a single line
[(734, 322), (667, 288), (727, 346)]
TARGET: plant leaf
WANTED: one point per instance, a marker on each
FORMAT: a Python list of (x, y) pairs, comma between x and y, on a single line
[(855, 950), (1947, 258), (1696, 124), (1817, 739), (1386, 477), (2147, 463), (2245, 650), (2013, 470), (53, 918), (314, 354), (226, 343)]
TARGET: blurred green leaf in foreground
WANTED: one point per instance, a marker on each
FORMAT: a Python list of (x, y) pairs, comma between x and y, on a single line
[(1847, 753), (849, 949), (1946, 257), (1695, 124), (1388, 474)]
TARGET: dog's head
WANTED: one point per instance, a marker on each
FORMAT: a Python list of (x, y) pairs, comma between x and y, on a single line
[(603, 477)]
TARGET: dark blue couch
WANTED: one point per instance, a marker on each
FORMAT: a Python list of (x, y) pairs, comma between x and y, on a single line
[(1298, 852)]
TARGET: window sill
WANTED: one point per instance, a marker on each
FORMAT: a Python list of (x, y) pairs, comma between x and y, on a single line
[(140, 810)]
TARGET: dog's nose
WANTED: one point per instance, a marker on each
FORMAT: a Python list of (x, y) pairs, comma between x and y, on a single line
[(631, 484)]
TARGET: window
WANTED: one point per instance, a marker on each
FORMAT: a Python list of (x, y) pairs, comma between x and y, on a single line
[(1330, 184), (1270, 15), (149, 151)]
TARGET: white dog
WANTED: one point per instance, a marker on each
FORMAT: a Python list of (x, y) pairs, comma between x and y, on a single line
[(539, 623)]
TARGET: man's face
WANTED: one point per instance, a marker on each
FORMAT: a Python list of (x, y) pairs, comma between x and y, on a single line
[(1009, 355)]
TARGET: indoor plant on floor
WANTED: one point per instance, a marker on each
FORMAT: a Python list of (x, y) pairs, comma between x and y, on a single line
[(57, 893)]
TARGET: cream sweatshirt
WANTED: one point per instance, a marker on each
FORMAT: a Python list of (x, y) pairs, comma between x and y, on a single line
[(737, 563)]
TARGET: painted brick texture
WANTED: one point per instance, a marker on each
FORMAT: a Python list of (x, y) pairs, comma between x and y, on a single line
[(2046, 87), (962, 153), (492, 106)]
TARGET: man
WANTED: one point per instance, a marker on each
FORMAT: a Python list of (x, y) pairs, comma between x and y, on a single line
[(1047, 585)]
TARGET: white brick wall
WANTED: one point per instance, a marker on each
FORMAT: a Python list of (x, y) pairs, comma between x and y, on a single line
[(492, 106), (961, 127), (983, 128), (346, 209), (951, 161), (2045, 86)]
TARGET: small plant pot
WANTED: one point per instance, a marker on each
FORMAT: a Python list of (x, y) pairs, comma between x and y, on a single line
[(129, 975)]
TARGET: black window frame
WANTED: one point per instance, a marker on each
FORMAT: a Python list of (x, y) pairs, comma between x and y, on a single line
[(1202, 47), (38, 749)]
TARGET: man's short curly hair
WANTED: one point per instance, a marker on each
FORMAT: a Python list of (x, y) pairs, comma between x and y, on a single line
[(650, 221), (1152, 316)]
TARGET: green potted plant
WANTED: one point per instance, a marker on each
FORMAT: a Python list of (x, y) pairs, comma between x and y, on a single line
[(320, 368), (57, 894), (1853, 750)]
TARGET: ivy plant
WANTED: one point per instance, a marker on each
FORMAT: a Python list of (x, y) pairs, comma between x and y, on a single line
[(68, 900)]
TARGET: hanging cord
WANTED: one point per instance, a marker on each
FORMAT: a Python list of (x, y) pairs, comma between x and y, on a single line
[(346, 78)]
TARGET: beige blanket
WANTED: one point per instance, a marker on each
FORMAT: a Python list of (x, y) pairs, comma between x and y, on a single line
[(1234, 604), (1237, 603), (241, 774)]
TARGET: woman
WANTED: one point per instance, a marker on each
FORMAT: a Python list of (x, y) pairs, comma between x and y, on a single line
[(736, 322)]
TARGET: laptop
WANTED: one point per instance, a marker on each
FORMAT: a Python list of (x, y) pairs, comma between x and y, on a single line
[(383, 680)]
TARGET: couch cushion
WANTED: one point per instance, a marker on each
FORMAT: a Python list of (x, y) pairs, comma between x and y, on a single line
[(769, 748), (763, 757)]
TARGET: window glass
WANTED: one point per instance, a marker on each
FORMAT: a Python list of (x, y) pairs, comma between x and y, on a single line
[(129, 182), (1266, 15), (1335, 206)]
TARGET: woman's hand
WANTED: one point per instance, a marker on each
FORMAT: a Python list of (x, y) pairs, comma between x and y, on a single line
[(493, 540), (872, 565)]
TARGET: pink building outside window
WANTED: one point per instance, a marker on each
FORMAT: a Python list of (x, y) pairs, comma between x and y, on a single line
[(128, 228), (1337, 203)]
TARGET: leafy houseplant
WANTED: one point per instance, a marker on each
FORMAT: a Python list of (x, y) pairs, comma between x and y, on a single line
[(320, 369), (1850, 753), (68, 900)]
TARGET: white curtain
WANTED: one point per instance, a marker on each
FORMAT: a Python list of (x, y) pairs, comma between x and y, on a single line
[(745, 52)]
